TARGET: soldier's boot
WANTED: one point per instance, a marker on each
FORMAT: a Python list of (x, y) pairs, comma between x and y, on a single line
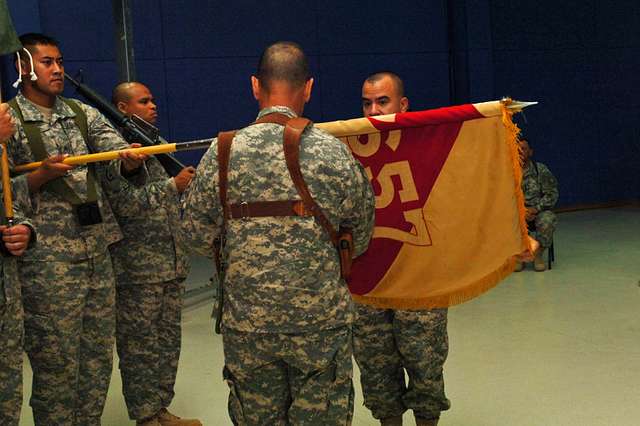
[(426, 422), (152, 421), (538, 263), (168, 419), (519, 266), (391, 421)]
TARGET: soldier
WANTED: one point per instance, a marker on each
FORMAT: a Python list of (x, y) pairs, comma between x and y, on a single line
[(386, 342), (540, 190), (287, 311), (68, 285), (150, 267), (15, 240)]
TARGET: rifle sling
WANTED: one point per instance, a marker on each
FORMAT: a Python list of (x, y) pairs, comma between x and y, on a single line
[(59, 186)]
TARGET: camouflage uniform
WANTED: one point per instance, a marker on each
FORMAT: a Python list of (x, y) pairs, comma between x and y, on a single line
[(540, 189), (11, 330), (387, 342), (150, 271), (68, 285), (286, 312)]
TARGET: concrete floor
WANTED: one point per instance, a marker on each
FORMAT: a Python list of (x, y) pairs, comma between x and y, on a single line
[(555, 348)]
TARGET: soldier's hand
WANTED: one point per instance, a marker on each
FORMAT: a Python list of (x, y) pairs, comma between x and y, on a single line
[(131, 160), (7, 126), (16, 238), (184, 178), (51, 168)]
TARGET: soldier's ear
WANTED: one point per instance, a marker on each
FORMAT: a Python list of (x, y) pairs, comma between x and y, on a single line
[(122, 107), (404, 104), (308, 86), (23, 67), (255, 87)]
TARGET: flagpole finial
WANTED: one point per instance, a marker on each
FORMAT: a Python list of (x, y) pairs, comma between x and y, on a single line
[(514, 105)]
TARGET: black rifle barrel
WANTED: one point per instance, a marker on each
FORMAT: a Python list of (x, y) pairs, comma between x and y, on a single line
[(171, 164)]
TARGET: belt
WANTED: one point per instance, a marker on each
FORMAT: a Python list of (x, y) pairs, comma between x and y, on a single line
[(268, 208)]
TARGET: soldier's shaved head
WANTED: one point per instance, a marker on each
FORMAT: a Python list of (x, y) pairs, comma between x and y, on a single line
[(135, 98), (283, 61), (31, 40), (122, 92), (397, 81), (383, 93)]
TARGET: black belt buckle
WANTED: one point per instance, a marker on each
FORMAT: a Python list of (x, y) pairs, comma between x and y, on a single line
[(88, 213)]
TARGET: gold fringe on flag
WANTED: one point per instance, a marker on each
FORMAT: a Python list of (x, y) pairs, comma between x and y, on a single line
[(471, 291), (512, 136)]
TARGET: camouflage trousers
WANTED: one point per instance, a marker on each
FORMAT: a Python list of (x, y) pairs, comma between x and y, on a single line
[(386, 343), (69, 336), (11, 333), (289, 379), (148, 333), (545, 224)]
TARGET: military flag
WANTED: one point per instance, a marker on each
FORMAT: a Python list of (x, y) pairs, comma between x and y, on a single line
[(9, 42), (449, 208)]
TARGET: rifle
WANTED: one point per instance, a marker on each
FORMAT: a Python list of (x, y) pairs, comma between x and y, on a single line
[(134, 129)]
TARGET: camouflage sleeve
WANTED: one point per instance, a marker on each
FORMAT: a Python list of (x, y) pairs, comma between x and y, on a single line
[(358, 208), (548, 187), (22, 200), (21, 204), (103, 136), (202, 215), (20, 194), (155, 191)]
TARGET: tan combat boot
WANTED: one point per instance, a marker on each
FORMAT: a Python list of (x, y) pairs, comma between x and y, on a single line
[(153, 421), (519, 266), (167, 419), (538, 263), (391, 421)]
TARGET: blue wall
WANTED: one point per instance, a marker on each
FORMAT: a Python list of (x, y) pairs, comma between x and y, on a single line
[(576, 58)]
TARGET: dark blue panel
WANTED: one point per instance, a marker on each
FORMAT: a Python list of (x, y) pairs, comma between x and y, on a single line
[(83, 28), (151, 74), (480, 67), (543, 24), (206, 96), (147, 29), (564, 126), (617, 23), (478, 19), (425, 76), (25, 15), (619, 153), (618, 75), (209, 95), (381, 26), (99, 76), (200, 28)]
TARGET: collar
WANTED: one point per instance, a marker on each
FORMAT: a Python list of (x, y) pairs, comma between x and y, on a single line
[(277, 108), (31, 113)]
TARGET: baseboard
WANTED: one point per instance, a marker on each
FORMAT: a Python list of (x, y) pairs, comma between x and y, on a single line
[(608, 205)]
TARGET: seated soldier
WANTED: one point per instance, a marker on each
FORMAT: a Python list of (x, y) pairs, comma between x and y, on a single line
[(540, 190)]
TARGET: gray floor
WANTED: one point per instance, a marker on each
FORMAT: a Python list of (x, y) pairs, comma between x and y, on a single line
[(555, 348)]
